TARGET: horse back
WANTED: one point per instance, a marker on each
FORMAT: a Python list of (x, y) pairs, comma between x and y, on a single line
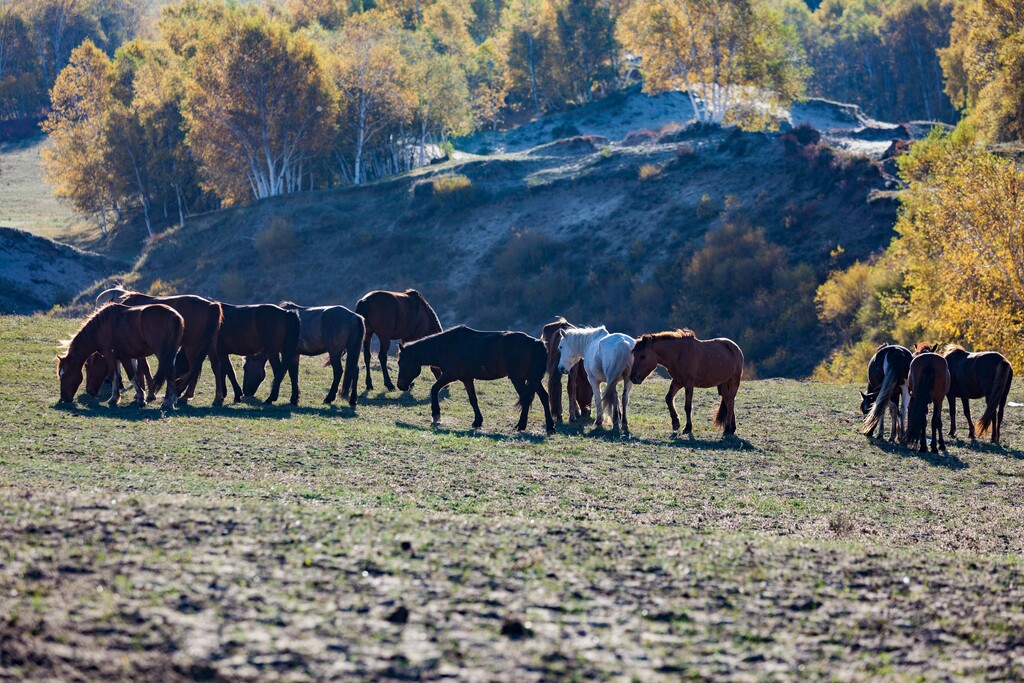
[(146, 330), (973, 375)]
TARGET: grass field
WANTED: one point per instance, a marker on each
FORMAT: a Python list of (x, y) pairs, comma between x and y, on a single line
[(252, 542), (27, 201)]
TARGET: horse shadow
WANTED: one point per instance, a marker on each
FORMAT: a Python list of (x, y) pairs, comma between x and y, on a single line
[(389, 398), (244, 409), (688, 441), (729, 442), (989, 447), (940, 459), (475, 433)]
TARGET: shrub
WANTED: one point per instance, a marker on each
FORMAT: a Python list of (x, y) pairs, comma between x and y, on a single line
[(162, 288), (234, 286), (452, 183), (277, 241), (707, 208), (648, 171), (565, 130)]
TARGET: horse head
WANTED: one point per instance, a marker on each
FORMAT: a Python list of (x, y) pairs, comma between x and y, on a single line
[(70, 375), (644, 359), (408, 369)]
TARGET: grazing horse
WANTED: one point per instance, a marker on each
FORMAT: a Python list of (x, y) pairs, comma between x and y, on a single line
[(202, 325), (887, 389), (123, 333), (465, 355), (580, 393), (405, 316), (692, 362), (262, 328), (334, 330), (986, 374), (929, 382), (97, 372), (606, 358)]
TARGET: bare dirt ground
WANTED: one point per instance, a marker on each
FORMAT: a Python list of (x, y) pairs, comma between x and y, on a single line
[(278, 543)]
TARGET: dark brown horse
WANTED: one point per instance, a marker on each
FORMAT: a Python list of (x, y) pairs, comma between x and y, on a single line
[(97, 372), (262, 328), (405, 316), (986, 374), (465, 355), (334, 330), (887, 390), (202, 325), (122, 334), (580, 393), (929, 381), (692, 362)]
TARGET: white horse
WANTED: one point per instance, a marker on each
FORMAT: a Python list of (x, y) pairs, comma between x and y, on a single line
[(607, 358)]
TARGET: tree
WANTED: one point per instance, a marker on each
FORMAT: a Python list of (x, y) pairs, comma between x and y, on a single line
[(371, 74), (442, 96), (717, 50), (76, 162), (258, 106), (984, 66), (20, 92), (526, 30), (586, 33)]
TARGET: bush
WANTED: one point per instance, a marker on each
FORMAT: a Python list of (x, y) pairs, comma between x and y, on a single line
[(162, 288), (277, 241), (707, 208), (234, 287), (648, 171)]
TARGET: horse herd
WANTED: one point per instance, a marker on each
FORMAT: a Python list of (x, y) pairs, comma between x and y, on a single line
[(905, 382), (183, 331)]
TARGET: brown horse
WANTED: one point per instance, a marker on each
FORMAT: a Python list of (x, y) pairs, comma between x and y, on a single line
[(692, 362), (333, 330), (986, 374), (579, 391), (122, 333), (262, 328), (405, 316), (929, 383), (202, 325), (887, 389), (97, 372), (465, 355)]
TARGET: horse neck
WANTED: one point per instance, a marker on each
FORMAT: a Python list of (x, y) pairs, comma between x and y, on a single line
[(425, 350), (577, 342), (83, 344)]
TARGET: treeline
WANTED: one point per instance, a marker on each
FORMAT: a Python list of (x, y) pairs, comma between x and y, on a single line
[(38, 36)]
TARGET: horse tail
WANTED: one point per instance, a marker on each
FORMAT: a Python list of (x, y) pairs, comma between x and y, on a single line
[(882, 400), (350, 378), (290, 350), (722, 416), (535, 375), (919, 405), (168, 352), (995, 398)]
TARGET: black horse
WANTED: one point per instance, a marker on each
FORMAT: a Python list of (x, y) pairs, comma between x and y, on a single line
[(464, 355), (334, 330), (248, 330), (985, 374), (887, 389)]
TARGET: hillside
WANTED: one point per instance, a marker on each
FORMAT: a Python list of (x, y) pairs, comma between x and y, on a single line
[(594, 229), (38, 273)]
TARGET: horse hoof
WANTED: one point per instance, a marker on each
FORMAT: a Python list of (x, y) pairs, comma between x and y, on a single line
[(329, 400), (478, 425)]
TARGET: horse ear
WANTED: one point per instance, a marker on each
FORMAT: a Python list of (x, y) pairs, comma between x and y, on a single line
[(863, 395)]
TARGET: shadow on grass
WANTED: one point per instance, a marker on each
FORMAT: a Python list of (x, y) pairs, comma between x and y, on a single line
[(989, 447), (475, 433), (242, 409), (939, 459)]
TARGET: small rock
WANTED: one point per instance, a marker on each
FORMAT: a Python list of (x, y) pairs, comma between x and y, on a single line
[(514, 629), (399, 616)]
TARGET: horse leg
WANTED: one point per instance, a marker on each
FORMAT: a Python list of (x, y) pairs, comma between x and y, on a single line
[(904, 406), (595, 385), (688, 406), (229, 371), (435, 405), (478, 418), (115, 388), (549, 424), (526, 392), (611, 397), (335, 359), (382, 356), (881, 425), (951, 400), (893, 409), (627, 386), (670, 401), (278, 366), (293, 375), (132, 370), (967, 416), (366, 357), (937, 428)]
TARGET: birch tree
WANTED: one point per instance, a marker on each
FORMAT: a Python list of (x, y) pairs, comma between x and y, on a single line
[(716, 50)]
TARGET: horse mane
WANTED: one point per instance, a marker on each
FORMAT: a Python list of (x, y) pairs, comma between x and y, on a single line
[(424, 306), (116, 292), (681, 333), (952, 348), (286, 304), (103, 310)]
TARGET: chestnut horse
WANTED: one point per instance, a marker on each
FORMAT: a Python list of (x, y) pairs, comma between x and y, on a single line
[(986, 374), (97, 372), (248, 330), (692, 362), (579, 391), (202, 325), (887, 389), (929, 382), (465, 355), (334, 330), (122, 334), (405, 316)]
